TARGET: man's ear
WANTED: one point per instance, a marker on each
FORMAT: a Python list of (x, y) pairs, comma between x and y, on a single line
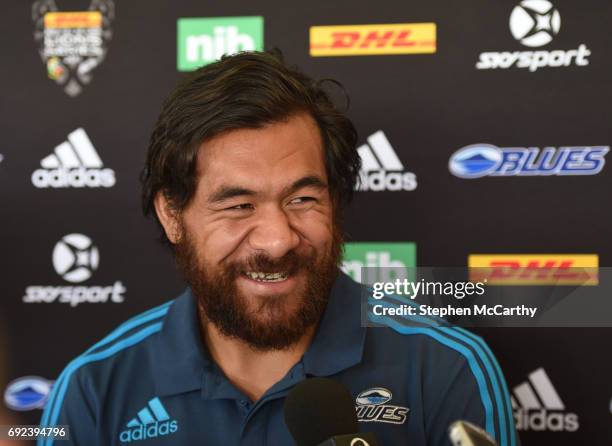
[(168, 217)]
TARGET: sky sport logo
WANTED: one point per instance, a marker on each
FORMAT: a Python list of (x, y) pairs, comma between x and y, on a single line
[(369, 40), (381, 169), (152, 421), (543, 409), (204, 40), (534, 23), (480, 160), (73, 163), (75, 258)]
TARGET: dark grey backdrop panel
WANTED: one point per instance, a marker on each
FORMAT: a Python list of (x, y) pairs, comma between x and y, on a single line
[(428, 106)]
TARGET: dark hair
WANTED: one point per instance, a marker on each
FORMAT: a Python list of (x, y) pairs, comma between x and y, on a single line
[(245, 90)]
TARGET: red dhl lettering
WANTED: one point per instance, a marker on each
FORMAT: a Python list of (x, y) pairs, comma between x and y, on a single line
[(530, 269), (374, 39), (354, 40), (535, 269)]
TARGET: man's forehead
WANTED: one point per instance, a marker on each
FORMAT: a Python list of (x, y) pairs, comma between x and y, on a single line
[(288, 142), (286, 150)]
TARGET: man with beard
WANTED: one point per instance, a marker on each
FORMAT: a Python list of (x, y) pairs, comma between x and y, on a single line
[(248, 169)]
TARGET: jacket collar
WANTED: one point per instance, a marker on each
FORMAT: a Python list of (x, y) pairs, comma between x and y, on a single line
[(185, 364)]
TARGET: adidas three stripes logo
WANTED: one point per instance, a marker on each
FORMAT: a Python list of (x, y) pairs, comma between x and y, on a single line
[(73, 163), (78, 151), (378, 154), (545, 391), (381, 169), (538, 407), (153, 412)]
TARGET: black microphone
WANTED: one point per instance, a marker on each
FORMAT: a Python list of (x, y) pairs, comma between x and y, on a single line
[(321, 412), (462, 433)]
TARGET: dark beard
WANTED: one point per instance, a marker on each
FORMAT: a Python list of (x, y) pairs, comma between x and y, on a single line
[(270, 326)]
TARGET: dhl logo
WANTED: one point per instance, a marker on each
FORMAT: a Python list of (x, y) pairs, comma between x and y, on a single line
[(81, 19), (362, 40), (534, 269)]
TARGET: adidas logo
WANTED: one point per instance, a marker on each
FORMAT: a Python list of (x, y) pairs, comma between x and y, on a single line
[(381, 169), (74, 163), (151, 422), (543, 409)]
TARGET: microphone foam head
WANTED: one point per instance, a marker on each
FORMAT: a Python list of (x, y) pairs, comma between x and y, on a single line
[(317, 409)]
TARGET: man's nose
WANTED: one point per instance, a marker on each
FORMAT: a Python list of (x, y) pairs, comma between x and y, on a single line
[(273, 233)]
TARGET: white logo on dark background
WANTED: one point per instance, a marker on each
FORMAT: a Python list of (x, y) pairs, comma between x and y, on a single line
[(534, 22), (372, 407), (73, 163), (538, 406), (381, 169), (75, 258)]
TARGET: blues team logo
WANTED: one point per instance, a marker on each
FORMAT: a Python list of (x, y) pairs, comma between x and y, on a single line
[(27, 393), (480, 160), (372, 407), (72, 44)]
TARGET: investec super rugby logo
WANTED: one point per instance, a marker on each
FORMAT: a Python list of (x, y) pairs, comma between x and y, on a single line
[(480, 160), (381, 169), (73, 163), (75, 258), (72, 44), (372, 407), (152, 421), (538, 407), (534, 23)]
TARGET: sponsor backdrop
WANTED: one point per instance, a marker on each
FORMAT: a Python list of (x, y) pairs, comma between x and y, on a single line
[(484, 129)]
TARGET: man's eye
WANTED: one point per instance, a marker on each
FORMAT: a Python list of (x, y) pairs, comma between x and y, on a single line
[(302, 200), (240, 207)]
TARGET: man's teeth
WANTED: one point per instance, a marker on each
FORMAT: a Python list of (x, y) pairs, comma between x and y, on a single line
[(266, 277)]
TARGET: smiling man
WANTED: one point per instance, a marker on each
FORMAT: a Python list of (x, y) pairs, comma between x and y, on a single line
[(248, 169), (259, 246)]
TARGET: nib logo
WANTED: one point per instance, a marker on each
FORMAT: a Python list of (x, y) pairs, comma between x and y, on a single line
[(73, 163), (543, 409), (151, 422), (381, 169), (204, 40), (386, 261)]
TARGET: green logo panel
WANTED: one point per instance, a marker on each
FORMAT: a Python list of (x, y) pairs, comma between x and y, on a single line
[(201, 41), (395, 259)]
